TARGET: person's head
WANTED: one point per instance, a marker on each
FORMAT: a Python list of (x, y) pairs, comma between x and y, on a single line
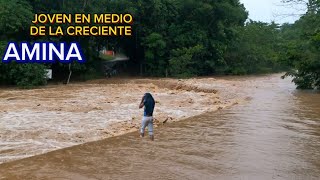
[(148, 97)]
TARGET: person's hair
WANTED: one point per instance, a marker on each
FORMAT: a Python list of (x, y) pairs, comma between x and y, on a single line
[(148, 97)]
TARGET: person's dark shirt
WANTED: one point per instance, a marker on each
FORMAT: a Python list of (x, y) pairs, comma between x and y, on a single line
[(149, 104)]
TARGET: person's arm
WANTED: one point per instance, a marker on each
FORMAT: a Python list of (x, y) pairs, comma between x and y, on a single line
[(141, 103)]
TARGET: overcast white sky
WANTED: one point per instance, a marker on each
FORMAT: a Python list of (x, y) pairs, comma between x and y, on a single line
[(271, 10)]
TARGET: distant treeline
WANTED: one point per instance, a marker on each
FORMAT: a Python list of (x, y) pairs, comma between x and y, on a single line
[(175, 38)]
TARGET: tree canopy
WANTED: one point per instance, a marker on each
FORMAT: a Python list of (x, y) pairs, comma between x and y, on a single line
[(302, 40), (177, 38)]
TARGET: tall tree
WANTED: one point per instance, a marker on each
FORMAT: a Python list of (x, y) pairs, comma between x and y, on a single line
[(305, 54)]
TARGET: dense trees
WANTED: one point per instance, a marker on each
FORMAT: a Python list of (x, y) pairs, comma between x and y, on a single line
[(303, 47), (15, 17), (171, 37), (257, 49), (171, 29), (179, 38)]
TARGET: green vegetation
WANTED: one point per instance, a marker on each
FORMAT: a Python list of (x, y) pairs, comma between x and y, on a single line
[(257, 49), (177, 38), (303, 48)]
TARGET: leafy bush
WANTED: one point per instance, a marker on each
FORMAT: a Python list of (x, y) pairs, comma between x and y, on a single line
[(26, 75), (182, 63)]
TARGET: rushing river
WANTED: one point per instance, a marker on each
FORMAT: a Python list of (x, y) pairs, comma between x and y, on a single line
[(276, 135)]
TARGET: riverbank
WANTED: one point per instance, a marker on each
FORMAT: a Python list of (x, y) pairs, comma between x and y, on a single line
[(41, 120)]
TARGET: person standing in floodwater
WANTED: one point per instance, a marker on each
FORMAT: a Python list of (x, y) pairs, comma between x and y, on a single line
[(148, 103)]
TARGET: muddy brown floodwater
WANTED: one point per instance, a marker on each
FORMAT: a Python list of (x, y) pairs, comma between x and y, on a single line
[(37, 121), (275, 135)]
